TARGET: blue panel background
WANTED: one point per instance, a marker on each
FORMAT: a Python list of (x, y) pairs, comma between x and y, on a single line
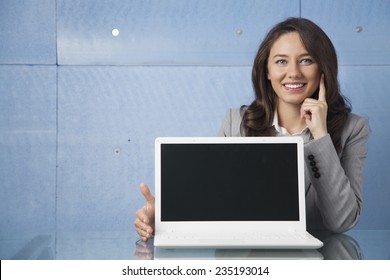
[(340, 19), (27, 149), (27, 32), (155, 32), (76, 137)]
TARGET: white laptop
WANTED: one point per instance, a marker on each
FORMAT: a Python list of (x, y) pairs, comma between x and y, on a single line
[(231, 192)]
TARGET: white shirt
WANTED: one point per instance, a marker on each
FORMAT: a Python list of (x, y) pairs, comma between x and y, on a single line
[(281, 131)]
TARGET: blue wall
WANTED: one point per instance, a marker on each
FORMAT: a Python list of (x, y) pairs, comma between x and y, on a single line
[(80, 108)]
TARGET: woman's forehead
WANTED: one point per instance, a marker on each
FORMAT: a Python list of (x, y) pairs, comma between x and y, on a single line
[(288, 44)]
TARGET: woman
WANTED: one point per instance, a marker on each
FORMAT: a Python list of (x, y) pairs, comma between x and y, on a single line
[(297, 93)]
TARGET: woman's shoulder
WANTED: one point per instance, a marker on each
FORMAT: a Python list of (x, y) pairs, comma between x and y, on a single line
[(231, 123), (356, 126), (237, 113), (356, 121)]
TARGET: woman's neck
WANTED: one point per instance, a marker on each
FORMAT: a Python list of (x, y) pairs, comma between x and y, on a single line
[(290, 118)]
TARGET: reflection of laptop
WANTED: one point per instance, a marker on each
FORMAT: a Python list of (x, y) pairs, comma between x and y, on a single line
[(228, 192), (236, 254)]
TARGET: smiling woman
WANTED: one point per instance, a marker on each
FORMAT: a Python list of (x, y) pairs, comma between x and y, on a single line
[(292, 57), (293, 73), (295, 76)]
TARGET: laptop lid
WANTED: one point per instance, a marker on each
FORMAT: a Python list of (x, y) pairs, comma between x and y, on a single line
[(225, 185)]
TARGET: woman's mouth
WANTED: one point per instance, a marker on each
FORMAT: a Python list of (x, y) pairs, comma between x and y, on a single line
[(294, 86)]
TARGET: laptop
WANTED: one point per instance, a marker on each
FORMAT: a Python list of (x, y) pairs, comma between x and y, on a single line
[(231, 192)]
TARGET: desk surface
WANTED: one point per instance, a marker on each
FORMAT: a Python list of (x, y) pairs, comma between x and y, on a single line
[(355, 244)]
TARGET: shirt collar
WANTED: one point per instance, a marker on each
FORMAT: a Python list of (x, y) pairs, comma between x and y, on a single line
[(283, 131), (278, 128)]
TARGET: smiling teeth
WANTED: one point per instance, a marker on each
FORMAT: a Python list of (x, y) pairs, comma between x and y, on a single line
[(293, 85)]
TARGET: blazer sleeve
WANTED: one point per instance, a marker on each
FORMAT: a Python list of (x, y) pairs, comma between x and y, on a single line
[(337, 179)]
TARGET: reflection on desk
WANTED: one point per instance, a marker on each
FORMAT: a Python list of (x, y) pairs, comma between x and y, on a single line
[(336, 247), (236, 254), (123, 245), (339, 247)]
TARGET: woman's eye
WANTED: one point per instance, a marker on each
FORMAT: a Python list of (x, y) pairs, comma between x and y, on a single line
[(306, 61), (281, 61)]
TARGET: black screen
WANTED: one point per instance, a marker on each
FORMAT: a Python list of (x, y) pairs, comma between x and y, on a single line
[(229, 182)]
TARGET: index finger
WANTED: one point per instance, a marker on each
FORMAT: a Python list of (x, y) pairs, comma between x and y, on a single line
[(322, 92)]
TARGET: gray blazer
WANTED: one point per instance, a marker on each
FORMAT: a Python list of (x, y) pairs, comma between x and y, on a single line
[(334, 191)]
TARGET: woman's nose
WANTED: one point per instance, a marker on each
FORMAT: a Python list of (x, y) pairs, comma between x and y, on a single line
[(294, 71)]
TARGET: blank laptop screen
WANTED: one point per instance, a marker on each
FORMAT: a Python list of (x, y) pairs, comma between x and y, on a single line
[(229, 182)]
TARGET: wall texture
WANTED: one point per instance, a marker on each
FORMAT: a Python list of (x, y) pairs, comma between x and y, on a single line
[(80, 107)]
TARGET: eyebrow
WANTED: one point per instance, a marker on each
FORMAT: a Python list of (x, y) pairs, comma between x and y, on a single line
[(284, 55)]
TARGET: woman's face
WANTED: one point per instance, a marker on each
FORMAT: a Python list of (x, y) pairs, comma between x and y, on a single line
[(293, 73)]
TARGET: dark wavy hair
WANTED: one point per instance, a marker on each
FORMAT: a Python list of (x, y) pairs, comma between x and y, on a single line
[(258, 116)]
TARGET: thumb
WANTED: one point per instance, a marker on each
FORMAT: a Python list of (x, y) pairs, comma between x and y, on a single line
[(146, 192)]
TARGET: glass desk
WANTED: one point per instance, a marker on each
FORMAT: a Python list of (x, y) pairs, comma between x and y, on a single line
[(355, 244)]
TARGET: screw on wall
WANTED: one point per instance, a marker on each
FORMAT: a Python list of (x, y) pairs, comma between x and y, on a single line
[(358, 29)]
